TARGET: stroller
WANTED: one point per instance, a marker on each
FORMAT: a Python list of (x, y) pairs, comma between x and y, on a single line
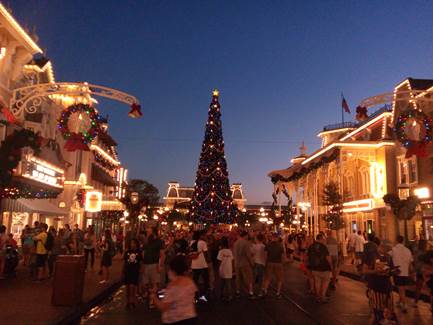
[(11, 262)]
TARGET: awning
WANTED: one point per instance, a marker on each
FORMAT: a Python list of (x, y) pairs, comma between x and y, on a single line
[(41, 206)]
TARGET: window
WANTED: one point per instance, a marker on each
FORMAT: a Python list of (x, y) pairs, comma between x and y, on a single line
[(407, 170), (364, 178)]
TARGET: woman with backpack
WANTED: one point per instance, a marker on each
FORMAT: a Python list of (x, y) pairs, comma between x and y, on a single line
[(108, 249)]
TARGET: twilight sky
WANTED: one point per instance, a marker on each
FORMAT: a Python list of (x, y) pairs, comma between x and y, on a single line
[(280, 67)]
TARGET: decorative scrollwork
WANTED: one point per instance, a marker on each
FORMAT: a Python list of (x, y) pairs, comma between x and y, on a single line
[(409, 95), (29, 98)]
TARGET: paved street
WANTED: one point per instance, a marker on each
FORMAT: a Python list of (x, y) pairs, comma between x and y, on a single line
[(348, 305)]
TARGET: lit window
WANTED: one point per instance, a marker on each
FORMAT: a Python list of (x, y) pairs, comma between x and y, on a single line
[(407, 170)]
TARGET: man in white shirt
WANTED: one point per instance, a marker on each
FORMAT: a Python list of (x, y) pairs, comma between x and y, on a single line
[(199, 264), (402, 257), (351, 245)]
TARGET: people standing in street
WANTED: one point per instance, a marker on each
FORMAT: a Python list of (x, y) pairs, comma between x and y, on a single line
[(258, 250), (225, 258), (332, 245), (177, 303), (243, 264), (153, 262), (89, 245), (54, 246), (131, 271), (402, 258), (108, 251), (320, 264), (199, 264), (41, 251), (351, 246), (79, 237), (27, 244), (420, 259), (274, 264)]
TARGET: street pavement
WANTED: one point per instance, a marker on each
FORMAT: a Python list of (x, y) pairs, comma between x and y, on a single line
[(348, 305)]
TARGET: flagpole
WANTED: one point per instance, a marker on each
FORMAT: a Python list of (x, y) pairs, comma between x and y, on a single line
[(342, 109)]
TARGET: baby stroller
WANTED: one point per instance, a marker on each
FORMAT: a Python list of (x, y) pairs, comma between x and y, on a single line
[(11, 262)]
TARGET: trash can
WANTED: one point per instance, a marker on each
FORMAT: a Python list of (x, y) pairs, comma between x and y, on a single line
[(68, 282)]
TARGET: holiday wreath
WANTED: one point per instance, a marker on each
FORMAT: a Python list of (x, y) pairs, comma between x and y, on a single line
[(79, 140), (414, 129)]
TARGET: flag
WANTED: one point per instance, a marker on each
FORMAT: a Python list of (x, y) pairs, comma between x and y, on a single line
[(344, 104)]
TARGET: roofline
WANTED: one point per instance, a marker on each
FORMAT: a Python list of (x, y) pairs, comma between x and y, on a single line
[(333, 131), (362, 127), (19, 32)]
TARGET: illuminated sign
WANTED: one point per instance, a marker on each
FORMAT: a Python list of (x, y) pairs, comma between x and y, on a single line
[(357, 206), (43, 172), (93, 201)]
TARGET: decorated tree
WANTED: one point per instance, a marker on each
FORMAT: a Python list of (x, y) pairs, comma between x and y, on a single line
[(334, 201), (403, 209), (212, 199)]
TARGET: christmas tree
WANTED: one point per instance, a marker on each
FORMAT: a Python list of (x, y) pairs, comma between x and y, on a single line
[(212, 199)]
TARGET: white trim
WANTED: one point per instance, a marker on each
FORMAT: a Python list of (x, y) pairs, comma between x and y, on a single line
[(384, 114)]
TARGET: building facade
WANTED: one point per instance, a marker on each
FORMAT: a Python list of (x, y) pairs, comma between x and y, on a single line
[(51, 184), (367, 160)]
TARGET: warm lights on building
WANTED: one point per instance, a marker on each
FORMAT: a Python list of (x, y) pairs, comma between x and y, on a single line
[(93, 201), (422, 192)]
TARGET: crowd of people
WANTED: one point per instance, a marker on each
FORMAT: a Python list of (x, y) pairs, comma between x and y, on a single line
[(173, 270), (41, 245)]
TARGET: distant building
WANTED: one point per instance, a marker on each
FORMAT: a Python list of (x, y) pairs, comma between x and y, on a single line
[(181, 196)]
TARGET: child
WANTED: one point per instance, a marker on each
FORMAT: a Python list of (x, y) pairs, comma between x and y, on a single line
[(131, 272), (225, 257)]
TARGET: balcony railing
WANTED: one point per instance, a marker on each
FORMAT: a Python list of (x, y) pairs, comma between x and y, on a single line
[(337, 126)]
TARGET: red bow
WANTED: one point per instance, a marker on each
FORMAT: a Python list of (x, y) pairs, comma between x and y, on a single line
[(75, 142), (9, 116), (418, 149), (135, 111)]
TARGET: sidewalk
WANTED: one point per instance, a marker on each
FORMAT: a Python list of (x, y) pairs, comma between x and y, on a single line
[(27, 302)]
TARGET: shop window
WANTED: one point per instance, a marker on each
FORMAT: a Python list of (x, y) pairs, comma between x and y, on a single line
[(407, 170)]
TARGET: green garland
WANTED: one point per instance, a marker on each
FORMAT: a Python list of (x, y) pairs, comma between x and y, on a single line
[(18, 190), (10, 152)]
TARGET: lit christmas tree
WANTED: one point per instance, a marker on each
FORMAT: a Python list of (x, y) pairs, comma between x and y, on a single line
[(212, 199)]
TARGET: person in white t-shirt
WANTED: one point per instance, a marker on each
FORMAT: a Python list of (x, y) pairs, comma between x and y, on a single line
[(225, 257), (258, 249), (402, 257), (351, 245), (359, 247), (199, 265)]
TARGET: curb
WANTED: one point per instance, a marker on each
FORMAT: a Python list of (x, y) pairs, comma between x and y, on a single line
[(74, 316)]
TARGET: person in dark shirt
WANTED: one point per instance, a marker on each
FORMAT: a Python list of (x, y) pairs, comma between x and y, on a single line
[(131, 271), (320, 264), (153, 260), (376, 266), (274, 265)]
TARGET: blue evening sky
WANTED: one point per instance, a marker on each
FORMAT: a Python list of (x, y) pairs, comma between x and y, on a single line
[(280, 67)]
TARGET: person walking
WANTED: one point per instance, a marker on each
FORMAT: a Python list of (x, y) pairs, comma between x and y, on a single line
[(243, 264), (89, 245), (402, 258), (274, 264), (332, 245), (131, 272), (153, 262), (54, 247), (177, 304), (225, 258), (41, 251), (258, 250), (359, 242), (199, 264), (108, 251), (320, 264)]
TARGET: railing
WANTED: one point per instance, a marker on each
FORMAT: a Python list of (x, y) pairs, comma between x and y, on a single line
[(342, 125)]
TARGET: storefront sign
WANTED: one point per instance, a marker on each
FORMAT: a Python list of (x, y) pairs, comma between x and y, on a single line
[(357, 206), (93, 201), (43, 172)]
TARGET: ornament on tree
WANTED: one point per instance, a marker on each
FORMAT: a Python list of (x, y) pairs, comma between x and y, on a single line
[(79, 124), (212, 198), (414, 129)]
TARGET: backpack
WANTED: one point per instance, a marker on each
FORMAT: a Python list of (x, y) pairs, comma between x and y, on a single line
[(193, 251), (49, 243), (314, 257)]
